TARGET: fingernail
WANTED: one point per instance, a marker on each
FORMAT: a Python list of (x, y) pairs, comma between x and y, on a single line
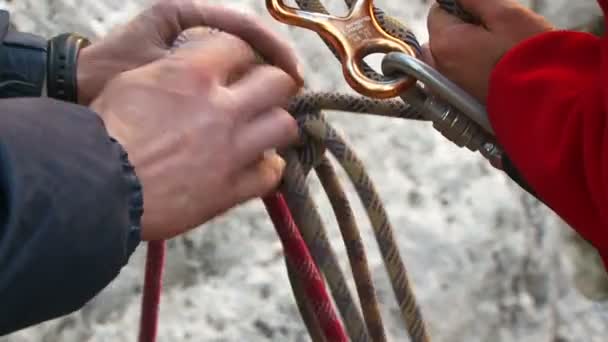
[(269, 153), (280, 162)]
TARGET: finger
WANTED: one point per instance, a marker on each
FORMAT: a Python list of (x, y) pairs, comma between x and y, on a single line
[(195, 34), (487, 10), (274, 130), (439, 19), (449, 37), (427, 57), (174, 16), (260, 178), (199, 33), (263, 87), (267, 42), (220, 54)]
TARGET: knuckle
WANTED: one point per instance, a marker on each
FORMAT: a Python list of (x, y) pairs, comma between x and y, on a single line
[(441, 47), (279, 77), (281, 83), (270, 177), (225, 100), (163, 7), (289, 126), (205, 80), (202, 77), (187, 72), (289, 82)]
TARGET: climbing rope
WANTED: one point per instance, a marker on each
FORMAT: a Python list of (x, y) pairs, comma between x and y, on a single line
[(299, 260), (310, 258)]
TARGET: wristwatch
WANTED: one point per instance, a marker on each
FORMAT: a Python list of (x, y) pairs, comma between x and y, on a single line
[(62, 66)]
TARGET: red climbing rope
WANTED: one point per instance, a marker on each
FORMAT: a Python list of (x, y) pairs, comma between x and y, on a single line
[(298, 255), (155, 259)]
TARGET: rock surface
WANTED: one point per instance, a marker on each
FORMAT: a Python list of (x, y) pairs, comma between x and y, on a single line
[(488, 263)]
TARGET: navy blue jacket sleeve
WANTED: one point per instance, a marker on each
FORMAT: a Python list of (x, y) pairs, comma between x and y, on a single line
[(70, 209)]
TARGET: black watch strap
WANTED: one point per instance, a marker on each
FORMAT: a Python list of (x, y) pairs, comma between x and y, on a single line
[(62, 66)]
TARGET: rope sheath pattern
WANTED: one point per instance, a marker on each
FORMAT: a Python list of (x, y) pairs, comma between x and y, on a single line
[(308, 220), (296, 218), (354, 247), (306, 271), (155, 260)]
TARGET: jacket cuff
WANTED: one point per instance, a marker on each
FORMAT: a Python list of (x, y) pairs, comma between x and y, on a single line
[(545, 105), (71, 209), (136, 199), (531, 89)]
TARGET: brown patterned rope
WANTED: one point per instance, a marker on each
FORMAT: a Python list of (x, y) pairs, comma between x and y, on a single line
[(303, 107), (310, 101), (295, 179), (313, 123), (317, 137), (304, 306), (407, 303), (320, 130), (313, 232), (354, 247), (308, 219)]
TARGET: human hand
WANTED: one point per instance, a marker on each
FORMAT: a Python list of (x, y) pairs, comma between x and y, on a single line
[(150, 35), (467, 53), (196, 125)]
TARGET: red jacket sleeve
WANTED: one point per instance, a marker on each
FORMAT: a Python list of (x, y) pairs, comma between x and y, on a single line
[(548, 104)]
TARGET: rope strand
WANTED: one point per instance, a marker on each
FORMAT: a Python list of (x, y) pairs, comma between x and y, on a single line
[(155, 260), (301, 262), (295, 218)]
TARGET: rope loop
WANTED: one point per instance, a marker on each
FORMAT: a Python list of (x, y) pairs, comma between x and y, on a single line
[(310, 259)]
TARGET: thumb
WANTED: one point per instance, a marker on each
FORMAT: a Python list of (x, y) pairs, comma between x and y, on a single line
[(455, 8), (171, 17), (427, 56), (439, 19), (481, 9), (485, 10), (196, 34)]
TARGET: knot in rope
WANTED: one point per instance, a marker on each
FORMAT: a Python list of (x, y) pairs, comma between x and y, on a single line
[(310, 259)]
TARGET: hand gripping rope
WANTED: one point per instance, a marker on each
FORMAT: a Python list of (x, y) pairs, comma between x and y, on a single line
[(310, 260)]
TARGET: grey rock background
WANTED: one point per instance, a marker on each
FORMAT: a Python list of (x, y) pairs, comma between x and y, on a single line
[(487, 262)]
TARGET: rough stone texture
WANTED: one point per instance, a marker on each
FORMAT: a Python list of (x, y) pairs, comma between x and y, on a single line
[(487, 262)]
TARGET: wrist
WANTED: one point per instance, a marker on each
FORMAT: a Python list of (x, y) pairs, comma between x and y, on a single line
[(85, 76), (111, 120)]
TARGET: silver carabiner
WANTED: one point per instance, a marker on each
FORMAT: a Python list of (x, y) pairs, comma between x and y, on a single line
[(454, 113), (439, 85)]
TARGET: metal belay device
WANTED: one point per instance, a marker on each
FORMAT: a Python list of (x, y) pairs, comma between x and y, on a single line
[(408, 89)]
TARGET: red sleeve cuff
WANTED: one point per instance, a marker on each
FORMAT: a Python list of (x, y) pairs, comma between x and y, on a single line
[(546, 108)]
